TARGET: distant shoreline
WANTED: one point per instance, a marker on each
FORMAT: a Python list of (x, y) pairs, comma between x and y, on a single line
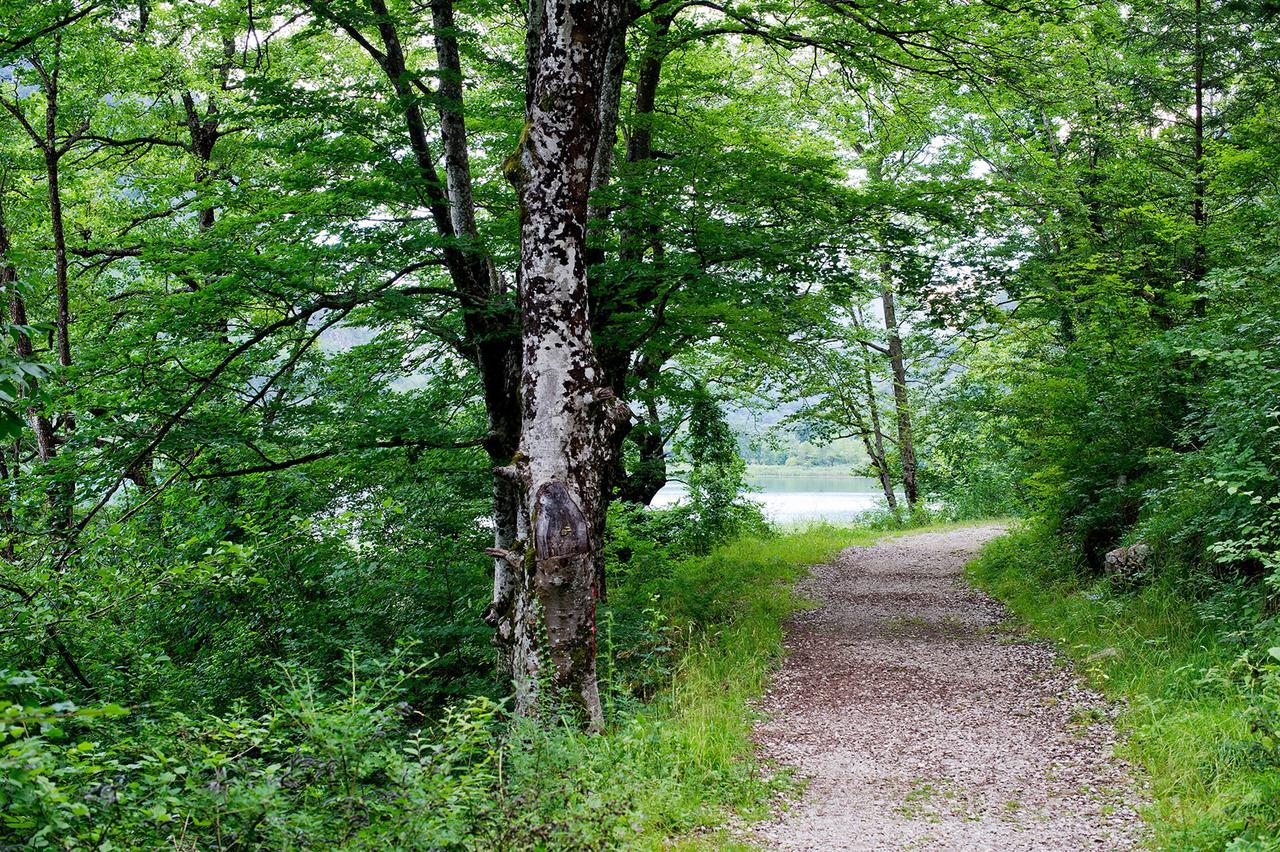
[(842, 471)]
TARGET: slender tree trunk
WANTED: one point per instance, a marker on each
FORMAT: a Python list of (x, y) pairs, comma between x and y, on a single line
[(649, 476), (8, 527), (487, 310), (874, 442), (897, 363), (569, 417), (610, 104), (60, 498), (46, 447), (1198, 186), (489, 328), (643, 483), (52, 157), (901, 401), (62, 318), (453, 130), (62, 492), (46, 444)]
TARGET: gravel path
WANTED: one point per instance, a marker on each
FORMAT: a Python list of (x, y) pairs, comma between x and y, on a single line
[(922, 720)]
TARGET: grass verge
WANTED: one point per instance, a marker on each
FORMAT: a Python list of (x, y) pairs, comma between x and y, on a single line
[(1196, 704), (697, 764)]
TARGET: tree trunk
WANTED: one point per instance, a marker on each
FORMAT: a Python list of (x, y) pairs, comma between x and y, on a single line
[(874, 443), (62, 319), (569, 417), (62, 492), (46, 448), (901, 402), (1198, 186), (897, 362), (453, 130), (46, 443), (488, 315), (641, 484), (649, 476)]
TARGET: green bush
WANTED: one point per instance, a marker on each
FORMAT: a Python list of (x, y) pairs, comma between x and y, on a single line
[(357, 764)]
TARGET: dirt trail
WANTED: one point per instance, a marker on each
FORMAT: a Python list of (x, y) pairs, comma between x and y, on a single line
[(923, 720)]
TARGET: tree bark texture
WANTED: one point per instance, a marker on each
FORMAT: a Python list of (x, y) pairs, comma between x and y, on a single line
[(569, 416)]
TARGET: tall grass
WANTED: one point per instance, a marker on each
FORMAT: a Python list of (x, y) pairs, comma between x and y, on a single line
[(1192, 697), (731, 606)]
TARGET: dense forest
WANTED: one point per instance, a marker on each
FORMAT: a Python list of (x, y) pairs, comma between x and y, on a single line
[(346, 343)]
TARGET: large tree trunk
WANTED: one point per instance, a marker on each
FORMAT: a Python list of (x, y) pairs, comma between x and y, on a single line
[(569, 417)]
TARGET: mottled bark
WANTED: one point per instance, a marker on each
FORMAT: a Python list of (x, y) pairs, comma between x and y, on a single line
[(569, 417)]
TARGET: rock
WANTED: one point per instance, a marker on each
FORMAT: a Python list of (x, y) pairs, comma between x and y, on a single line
[(1127, 564)]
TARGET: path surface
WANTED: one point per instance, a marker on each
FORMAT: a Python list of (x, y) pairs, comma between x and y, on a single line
[(923, 720)]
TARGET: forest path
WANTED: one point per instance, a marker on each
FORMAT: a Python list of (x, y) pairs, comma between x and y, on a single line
[(923, 719)]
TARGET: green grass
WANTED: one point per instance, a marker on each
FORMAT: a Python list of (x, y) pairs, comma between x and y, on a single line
[(1214, 784), (737, 598)]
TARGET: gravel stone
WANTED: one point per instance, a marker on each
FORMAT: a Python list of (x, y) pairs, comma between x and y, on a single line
[(923, 719)]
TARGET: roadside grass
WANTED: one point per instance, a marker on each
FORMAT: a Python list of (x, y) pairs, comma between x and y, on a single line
[(1189, 720), (730, 607), (672, 771), (733, 604)]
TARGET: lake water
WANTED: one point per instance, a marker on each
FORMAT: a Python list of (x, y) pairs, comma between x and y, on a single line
[(796, 497)]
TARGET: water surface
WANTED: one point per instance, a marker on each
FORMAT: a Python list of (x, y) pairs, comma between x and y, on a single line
[(800, 496)]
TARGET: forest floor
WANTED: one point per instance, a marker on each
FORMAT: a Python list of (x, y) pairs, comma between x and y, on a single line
[(922, 717)]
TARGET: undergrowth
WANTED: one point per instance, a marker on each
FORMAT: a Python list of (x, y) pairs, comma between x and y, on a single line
[(685, 646), (1201, 700)]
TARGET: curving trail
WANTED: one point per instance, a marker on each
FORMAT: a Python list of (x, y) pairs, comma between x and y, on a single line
[(922, 720)]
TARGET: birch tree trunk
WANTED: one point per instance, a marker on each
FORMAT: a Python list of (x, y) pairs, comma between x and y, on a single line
[(569, 417)]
